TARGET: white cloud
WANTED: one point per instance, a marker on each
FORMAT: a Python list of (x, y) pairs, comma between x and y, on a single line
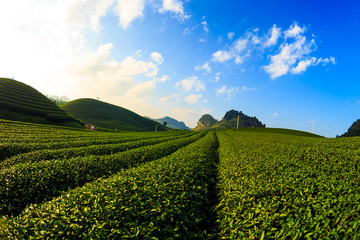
[(157, 57), (326, 61), (162, 79), (294, 31), (303, 65), (128, 11), (217, 77), (274, 115), (289, 54), (273, 36), (221, 56), (240, 45), (98, 75), (231, 35), (143, 90), (131, 66), (186, 31), (85, 13), (191, 83), (229, 92), (206, 67), (237, 48), (294, 55), (240, 59), (246, 89), (205, 26), (172, 99), (192, 99), (176, 7)]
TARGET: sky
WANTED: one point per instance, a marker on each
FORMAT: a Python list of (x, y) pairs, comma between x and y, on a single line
[(292, 64)]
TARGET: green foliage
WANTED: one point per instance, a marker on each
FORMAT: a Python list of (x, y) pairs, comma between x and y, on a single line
[(34, 182), (276, 186), (109, 116), (251, 183), (164, 199)]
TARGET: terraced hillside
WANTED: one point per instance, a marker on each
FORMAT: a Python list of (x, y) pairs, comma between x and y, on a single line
[(109, 116), (57, 183), (19, 101)]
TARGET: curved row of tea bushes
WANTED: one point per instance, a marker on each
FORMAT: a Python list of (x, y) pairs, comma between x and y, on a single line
[(286, 187), (59, 136), (21, 132), (23, 184), (163, 199), (99, 150), (10, 149)]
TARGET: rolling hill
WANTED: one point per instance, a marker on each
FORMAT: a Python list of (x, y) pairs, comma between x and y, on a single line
[(172, 123), (207, 122), (22, 102), (108, 116)]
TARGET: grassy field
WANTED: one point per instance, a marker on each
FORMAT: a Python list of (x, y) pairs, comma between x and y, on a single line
[(61, 183)]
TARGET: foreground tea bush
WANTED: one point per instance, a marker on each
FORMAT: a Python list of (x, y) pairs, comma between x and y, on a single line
[(286, 187), (163, 199), (35, 182)]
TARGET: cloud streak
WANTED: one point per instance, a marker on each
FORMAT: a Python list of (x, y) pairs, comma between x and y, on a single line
[(192, 99), (176, 7), (191, 83), (293, 55), (128, 11)]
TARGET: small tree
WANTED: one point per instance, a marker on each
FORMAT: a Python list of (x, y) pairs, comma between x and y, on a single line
[(165, 123)]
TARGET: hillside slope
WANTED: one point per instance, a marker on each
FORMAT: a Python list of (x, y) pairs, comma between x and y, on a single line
[(172, 123), (109, 116), (22, 102)]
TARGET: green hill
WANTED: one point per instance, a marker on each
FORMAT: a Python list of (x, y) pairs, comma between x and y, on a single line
[(21, 102), (105, 115), (230, 120)]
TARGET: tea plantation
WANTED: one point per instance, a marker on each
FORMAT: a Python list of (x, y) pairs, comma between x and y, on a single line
[(61, 183)]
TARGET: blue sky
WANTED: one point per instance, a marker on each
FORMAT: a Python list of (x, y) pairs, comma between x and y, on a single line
[(286, 62)]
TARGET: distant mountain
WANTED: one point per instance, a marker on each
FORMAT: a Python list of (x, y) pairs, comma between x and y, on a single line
[(230, 120), (58, 100), (354, 130), (22, 102), (108, 116), (205, 122), (172, 123)]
